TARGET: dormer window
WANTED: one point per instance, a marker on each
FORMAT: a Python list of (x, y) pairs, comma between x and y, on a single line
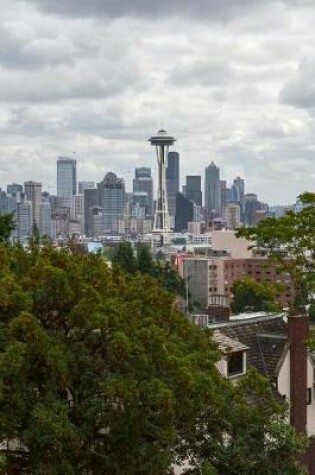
[(233, 360), (236, 363)]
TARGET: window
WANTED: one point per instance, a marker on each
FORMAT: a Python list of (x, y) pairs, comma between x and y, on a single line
[(235, 363), (309, 396)]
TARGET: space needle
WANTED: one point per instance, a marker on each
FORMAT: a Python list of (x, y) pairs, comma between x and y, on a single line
[(161, 226)]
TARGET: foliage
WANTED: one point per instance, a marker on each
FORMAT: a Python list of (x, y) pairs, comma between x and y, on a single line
[(99, 373), (163, 272), (6, 227), (290, 240), (255, 439), (123, 257), (250, 295)]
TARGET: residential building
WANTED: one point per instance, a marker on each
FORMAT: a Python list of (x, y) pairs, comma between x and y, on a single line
[(276, 346)]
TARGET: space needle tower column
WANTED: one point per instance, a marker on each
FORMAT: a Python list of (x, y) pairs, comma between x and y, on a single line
[(161, 226)]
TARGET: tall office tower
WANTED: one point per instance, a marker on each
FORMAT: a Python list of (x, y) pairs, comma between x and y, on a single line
[(84, 185), (112, 201), (232, 215), (223, 196), (14, 188), (212, 191), (251, 205), (184, 212), (91, 204), (162, 227), (33, 194), (45, 219), (172, 183), (143, 183), (193, 189), (6, 203), (24, 220), (235, 194), (240, 183), (66, 176)]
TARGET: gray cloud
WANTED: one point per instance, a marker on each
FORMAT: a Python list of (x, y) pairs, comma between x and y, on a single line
[(213, 9), (99, 77), (299, 91)]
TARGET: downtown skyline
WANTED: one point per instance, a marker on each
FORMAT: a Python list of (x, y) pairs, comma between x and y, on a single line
[(231, 80)]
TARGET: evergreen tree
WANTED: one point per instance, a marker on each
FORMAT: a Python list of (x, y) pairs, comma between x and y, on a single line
[(123, 257), (7, 225)]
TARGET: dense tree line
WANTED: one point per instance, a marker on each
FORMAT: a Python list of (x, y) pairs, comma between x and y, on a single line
[(100, 374), (142, 261)]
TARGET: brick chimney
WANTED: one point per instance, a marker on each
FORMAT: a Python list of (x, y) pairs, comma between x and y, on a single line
[(298, 334)]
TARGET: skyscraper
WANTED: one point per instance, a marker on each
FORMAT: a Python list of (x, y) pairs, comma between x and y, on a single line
[(193, 189), (143, 183), (212, 190), (66, 176), (112, 201), (33, 194), (184, 212), (172, 182)]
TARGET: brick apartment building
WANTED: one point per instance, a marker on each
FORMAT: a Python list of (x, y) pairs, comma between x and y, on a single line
[(210, 280)]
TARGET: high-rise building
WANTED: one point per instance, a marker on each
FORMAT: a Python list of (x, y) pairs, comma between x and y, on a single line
[(172, 182), (143, 183), (84, 185), (232, 215), (184, 212), (45, 219), (14, 188), (193, 189), (112, 201), (66, 176), (212, 191), (91, 203), (33, 194), (223, 196), (24, 220)]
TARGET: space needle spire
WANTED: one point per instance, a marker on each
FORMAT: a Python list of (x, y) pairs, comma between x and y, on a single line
[(161, 226)]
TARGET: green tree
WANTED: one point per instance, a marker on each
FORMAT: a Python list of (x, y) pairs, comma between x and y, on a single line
[(99, 373), (250, 295), (290, 241), (7, 225), (123, 257), (256, 439), (145, 262)]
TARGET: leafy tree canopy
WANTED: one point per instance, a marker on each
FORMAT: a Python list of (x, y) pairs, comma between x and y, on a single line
[(6, 227), (250, 295), (290, 240), (99, 373)]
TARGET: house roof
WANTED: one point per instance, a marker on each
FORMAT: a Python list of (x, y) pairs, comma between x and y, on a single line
[(265, 338), (227, 344)]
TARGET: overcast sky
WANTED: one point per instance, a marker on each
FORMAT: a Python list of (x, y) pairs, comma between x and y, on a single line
[(232, 80)]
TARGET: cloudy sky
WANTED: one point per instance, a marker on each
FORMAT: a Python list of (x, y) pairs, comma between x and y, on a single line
[(233, 80)]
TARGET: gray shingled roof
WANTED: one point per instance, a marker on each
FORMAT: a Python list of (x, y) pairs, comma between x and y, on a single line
[(265, 337)]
